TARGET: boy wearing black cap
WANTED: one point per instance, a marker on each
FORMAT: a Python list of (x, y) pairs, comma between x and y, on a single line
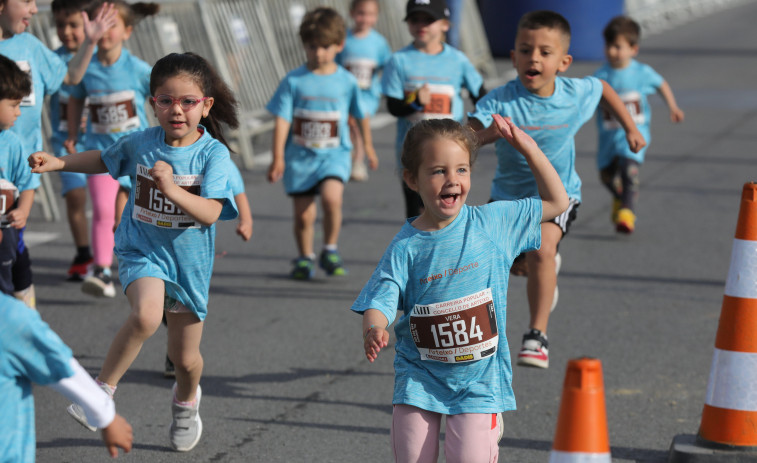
[(424, 79)]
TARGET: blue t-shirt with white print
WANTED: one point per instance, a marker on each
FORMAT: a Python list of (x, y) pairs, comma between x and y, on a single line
[(446, 73), (632, 83), (47, 71), (155, 238), (117, 95), (551, 121), (318, 107), (30, 352), (468, 259), (365, 57)]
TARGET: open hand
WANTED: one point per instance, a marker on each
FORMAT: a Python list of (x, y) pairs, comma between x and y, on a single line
[(118, 434), (105, 19), (375, 340), (519, 139)]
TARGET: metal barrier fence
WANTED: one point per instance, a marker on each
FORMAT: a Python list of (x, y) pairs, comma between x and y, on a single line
[(253, 44)]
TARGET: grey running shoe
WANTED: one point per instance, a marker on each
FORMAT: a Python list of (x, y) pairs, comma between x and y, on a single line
[(78, 414), (186, 427)]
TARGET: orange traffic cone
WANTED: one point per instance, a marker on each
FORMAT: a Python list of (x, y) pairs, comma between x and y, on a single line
[(581, 435), (728, 431)]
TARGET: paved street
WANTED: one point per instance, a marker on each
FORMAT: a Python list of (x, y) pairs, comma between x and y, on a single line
[(285, 377)]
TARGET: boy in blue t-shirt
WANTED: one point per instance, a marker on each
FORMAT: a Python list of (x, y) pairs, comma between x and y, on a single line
[(550, 109), (30, 352), (311, 140), (70, 29), (17, 183), (365, 53), (424, 79), (618, 165)]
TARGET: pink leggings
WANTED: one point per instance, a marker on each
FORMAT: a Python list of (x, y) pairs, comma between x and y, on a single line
[(470, 437), (102, 190)]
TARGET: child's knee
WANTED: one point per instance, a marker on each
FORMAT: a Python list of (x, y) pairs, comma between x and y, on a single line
[(146, 321), (186, 360)]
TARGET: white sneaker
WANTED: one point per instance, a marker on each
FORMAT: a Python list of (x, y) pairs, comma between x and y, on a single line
[(359, 172), (186, 427), (99, 284), (558, 264)]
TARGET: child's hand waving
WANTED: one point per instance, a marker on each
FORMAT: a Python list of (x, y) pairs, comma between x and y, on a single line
[(105, 19), (519, 139)]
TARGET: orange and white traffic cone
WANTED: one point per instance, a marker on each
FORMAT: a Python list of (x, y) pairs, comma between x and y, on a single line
[(728, 431), (581, 435)]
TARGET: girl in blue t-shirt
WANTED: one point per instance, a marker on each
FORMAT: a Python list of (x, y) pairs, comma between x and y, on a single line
[(165, 242), (116, 87), (445, 277)]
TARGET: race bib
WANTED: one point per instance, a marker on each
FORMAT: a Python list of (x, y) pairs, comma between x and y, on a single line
[(8, 195), (30, 99), (113, 113), (456, 331), (362, 69), (316, 129), (150, 206), (632, 102), (440, 106)]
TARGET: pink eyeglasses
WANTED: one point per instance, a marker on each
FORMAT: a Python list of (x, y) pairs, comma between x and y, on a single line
[(186, 102)]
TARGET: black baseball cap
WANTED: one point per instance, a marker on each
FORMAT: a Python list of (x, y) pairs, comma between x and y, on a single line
[(437, 9)]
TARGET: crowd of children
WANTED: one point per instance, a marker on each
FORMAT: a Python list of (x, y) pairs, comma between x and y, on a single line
[(157, 193)]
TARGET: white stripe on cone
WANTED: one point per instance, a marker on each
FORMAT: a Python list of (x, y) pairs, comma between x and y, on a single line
[(742, 275), (733, 380), (557, 456)]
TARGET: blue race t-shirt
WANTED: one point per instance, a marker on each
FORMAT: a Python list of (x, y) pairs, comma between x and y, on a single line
[(116, 99), (30, 352), (14, 168), (317, 106), (445, 73), (155, 238), (448, 291), (365, 57), (47, 71), (632, 83), (551, 121), (58, 113)]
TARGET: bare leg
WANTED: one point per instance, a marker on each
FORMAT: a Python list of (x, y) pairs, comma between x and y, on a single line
[(146, 298), (542, 278), (332, 192), (184, 335), (76, 202), (304, 220)]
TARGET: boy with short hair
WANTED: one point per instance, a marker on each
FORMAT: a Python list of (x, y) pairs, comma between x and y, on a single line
[(550, 109), (17, 183), (69, 26), (30, 352), (633, 81), (311, 140)]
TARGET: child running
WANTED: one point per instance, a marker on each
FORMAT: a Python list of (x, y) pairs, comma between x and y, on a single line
[(48, 72), (311, 143), (424, 79), (30, 352), (116, 87), (365, 53), (165, 242), (17, 183), (69, 27), (551, 109), (445, 274), (618, 165)]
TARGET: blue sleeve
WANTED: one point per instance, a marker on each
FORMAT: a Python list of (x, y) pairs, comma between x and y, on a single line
[(145, 70), (485, 108), (589, 93), (115, 157), (78, 91), (52, 70), (215, 181), (516, 225), (31, 349), (24, 178), (235, 179), (282, 102), (652, 80), (356, 108), (472, 80), (393, 80), (385, 53), (383, 290)]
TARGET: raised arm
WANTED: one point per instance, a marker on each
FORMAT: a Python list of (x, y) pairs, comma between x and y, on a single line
[(86, 162), (93, 32), (612, 102), (676, 115), (551, 190)]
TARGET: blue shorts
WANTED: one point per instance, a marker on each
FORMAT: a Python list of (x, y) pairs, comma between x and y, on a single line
[(71, 181)]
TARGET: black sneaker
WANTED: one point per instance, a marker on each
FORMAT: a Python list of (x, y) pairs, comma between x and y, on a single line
[(331, 263), (79, 268), (303, 269), (534, 352), (99, 284)]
